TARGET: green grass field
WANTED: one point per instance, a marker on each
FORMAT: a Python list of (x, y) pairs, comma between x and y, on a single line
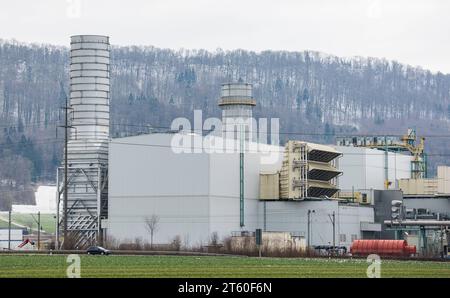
[(4, 225), (209, 267), (48, 222)]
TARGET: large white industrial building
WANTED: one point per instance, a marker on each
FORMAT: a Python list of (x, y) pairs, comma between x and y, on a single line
[(197, 194), (196, 190), (193, 194)]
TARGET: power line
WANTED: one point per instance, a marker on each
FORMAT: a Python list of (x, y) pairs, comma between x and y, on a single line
[(42, 141), (39, 123), (320, 134), (339, 135), (271, 150)]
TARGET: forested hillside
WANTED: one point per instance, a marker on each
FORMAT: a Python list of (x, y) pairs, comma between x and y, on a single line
[(315, 96)]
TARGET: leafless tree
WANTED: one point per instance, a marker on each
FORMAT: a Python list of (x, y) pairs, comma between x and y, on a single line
[(176, 243), (152, 225), (214, 239), (186, 241)]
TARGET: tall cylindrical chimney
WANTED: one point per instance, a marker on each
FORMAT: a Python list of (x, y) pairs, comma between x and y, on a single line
[(89, 87), (85, 174)]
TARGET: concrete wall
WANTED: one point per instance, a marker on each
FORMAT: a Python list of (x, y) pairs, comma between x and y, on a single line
[(428, 186), (146, 177), (418, 186), (443, 177), (194, 194), (224, 192), (364, 168)]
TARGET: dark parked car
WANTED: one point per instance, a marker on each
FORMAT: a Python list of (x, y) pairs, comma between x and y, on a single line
[(97, 250)]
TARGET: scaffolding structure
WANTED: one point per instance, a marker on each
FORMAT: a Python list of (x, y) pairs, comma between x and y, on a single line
[(308, 170), (406, 143), (87, 205)]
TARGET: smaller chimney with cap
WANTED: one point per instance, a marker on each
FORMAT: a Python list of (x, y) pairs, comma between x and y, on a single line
[(237, 102)]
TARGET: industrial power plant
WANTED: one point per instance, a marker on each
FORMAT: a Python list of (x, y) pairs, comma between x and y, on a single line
[(315, 196)]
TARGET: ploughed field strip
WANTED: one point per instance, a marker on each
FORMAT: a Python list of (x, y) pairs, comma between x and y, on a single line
[(205, 267)]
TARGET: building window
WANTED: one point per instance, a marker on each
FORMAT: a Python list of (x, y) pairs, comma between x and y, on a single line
[(342, 238), (354, 237)]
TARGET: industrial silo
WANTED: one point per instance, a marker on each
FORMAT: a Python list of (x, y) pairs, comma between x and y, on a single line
[(87, 148)]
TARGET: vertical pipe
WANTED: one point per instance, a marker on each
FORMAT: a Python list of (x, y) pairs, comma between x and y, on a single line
[(241, 179), (39, 230)]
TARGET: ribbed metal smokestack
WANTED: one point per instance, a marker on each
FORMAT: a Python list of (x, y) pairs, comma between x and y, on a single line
[(87, 198), (89, 86), (89, 99)]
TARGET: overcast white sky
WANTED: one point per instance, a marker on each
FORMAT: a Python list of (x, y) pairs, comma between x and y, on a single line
[(415, 32)]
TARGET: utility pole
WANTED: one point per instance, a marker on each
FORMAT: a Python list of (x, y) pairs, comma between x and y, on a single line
[(39, 230), (66, 124), (38, 222), (241, 176), (333, 222), (386, 161), (9, 229), (66, 127)]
